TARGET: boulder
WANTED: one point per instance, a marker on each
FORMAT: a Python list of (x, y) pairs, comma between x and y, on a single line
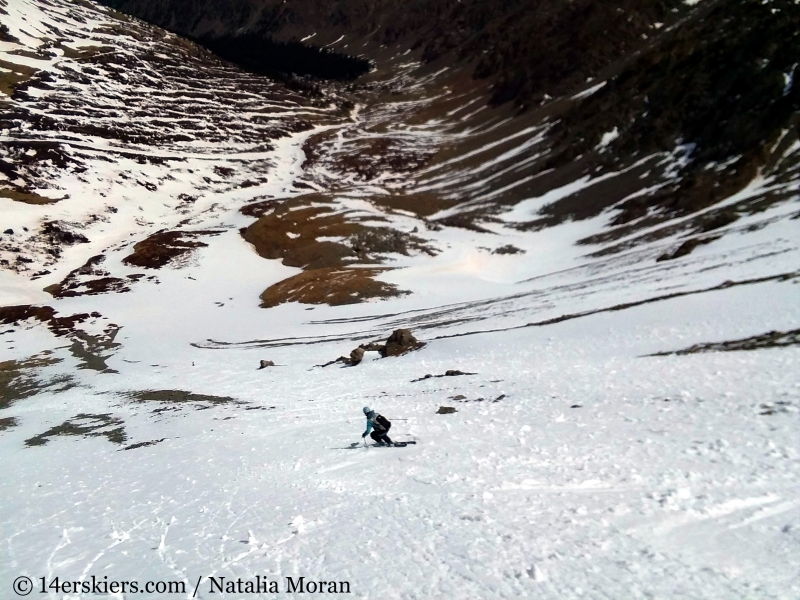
[(266, 363), (446, 410), (400, 342), (356, 356)]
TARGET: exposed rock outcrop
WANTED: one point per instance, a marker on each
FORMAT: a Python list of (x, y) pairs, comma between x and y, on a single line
[(685, 248), (400, 342)]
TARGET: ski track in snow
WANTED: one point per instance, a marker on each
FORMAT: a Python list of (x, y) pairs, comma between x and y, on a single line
[(576, 466)]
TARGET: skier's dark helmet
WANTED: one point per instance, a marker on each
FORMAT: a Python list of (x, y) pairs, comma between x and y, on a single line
[(367, 410)]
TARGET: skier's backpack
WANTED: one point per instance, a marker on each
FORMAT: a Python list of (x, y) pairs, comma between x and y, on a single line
[(383, 422)]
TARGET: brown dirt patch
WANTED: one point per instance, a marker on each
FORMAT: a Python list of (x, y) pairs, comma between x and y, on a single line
[(164, 247), (92, 350), (10, 81), (13, 315), (508, 249), (60, 326), (104, 285), (19, 379), (65, 326), (8, 423), (332, 285), (260, 208), (84, 425), (422, 204), (175, 400), (27, 197), (290, 231), (5, 34), (143, 444), (73, 284), (178, 396)]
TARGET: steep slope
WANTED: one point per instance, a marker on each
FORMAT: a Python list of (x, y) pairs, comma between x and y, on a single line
[(605, 280), (656, 134), (112, 122), (682, 104)]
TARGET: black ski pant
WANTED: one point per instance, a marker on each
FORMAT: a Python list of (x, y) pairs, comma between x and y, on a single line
[(382, 437)]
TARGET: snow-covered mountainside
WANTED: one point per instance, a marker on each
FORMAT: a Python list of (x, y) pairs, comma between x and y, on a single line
[(605, 287)]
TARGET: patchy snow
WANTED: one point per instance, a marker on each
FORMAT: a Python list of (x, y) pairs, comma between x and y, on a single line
[(607, 138), (589, 91), (339, 39), (666, 479), (577, 464), (788, 79)]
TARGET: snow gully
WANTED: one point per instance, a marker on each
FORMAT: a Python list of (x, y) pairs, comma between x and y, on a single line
[(262, 585)]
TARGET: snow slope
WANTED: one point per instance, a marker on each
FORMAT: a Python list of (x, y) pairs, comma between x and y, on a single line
[(577, 465), (666, 482)]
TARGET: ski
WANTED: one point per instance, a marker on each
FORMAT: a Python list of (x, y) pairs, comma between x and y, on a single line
[(394, 445), (356, 445)]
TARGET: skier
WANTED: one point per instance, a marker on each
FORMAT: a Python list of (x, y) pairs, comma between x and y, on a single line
[(381, 426)]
